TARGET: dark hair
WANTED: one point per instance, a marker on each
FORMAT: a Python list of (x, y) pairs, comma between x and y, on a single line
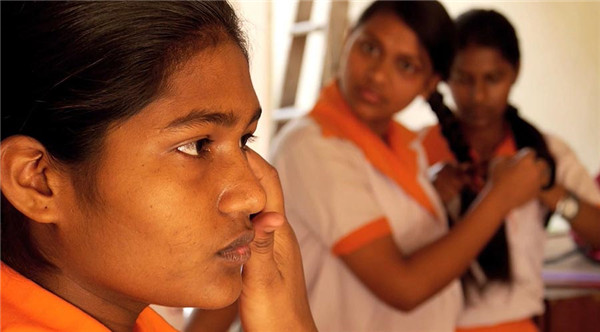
[(430, 22), (72, 69), (490, 29)]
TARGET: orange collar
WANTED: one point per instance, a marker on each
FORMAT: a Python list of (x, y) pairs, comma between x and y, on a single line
[(506, 148), (437, 148), (396, 159), (26, 305)]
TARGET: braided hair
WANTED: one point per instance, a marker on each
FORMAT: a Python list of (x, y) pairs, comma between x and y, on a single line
[(489, 28)]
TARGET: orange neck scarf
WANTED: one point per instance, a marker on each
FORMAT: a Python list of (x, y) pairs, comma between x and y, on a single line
[(395, 159), (28, 306)]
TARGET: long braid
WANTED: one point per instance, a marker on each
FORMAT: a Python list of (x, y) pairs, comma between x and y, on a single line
[(489, 28), (526, 135), (450, 128), (494, 259)]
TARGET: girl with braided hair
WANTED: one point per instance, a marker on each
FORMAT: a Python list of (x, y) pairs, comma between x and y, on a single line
[(504, 287), (374, 237)]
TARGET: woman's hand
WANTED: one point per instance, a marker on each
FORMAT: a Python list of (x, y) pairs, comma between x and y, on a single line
[(273, 294), (449, 179), (518, 179)]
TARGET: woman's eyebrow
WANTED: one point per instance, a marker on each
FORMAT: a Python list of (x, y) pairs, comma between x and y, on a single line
[(203, 117), (369, 35)]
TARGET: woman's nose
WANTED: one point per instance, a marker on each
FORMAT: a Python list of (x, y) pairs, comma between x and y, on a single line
[(377, 71), (478, 92), (242, 193)]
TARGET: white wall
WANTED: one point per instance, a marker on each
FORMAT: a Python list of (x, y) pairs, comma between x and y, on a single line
[(558, 88), (559, 84), (256, 19)]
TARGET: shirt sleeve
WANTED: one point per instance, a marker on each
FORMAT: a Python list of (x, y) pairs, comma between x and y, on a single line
[(327, 189), (570, 173)]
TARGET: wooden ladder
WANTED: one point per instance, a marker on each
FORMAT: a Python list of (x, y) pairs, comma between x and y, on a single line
[(335, 28)]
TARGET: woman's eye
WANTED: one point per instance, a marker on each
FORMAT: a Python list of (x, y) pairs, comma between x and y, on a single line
[(406, 67), (248, 138), (197, 148), (369, 48), (493, 79), (461, 79)]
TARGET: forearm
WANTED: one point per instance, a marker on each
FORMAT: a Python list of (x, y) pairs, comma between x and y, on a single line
[(436, 265), (405, 281), (587, 221)]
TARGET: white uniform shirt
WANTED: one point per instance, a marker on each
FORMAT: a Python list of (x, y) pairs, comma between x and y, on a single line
[(526, 236), (331, 190)]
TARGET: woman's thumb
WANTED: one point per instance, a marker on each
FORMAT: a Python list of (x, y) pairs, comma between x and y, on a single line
[(265, 225)]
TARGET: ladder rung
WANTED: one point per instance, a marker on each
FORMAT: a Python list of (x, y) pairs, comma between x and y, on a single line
[(287, 113), (305, 27)]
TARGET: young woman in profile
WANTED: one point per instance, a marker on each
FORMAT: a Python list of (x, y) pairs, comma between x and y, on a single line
[(377, 252), (126, 179), (505, 288)]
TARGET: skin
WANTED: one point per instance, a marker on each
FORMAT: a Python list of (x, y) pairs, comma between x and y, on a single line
[(383, 68), (381, 74), (377, 81), (170, 223), (481, 80), (450, 179)]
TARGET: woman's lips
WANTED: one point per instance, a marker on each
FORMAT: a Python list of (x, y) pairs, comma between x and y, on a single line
[(368, 95), (238, 252)]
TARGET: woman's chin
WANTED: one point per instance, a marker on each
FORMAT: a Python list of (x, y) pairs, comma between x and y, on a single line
[(224, 293), (216, 294)]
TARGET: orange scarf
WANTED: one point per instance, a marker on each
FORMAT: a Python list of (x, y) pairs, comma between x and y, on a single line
[(396, 159), (28, 306), (437, 148)]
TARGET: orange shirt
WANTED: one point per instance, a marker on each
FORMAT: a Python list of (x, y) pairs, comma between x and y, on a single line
[(26, 306)]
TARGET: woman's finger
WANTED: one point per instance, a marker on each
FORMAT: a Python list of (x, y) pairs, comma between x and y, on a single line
[(269, 179)]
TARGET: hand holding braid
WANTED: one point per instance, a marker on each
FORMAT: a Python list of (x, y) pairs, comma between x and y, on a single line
[(526, 135), (494, 258)]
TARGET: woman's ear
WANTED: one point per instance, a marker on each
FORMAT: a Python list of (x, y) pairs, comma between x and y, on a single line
[(28, 177), (430, 86)]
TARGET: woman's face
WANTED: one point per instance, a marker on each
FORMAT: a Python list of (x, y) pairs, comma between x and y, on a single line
[(480, 81), (383, 68), (174, 192)]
